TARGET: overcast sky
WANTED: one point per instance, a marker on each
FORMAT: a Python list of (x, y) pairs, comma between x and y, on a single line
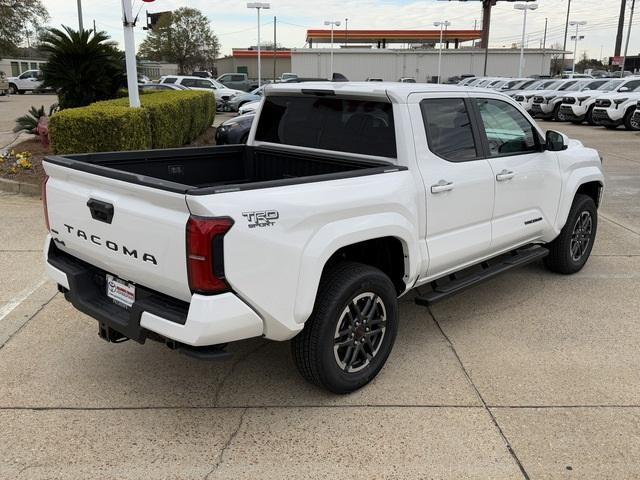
[(236, 26)]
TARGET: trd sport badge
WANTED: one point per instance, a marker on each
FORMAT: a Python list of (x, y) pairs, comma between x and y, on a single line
[(265, 218)]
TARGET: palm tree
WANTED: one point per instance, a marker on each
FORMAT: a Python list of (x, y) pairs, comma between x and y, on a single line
[(83, 66)]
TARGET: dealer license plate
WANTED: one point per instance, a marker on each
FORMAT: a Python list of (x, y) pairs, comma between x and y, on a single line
[(120, 291)]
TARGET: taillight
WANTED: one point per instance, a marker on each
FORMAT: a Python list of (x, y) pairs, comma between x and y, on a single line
[(43, 186), (205, 255)]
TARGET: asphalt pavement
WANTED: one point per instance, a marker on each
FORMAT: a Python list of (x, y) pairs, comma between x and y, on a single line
[(531, 375)]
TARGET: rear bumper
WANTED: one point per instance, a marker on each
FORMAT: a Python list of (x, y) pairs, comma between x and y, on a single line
[(206, 320)]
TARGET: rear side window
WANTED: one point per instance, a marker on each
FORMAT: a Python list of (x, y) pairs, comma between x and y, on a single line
[(448, 128), (632, 85), (353, 126)]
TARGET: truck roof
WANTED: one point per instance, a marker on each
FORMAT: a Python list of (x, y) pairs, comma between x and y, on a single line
[(396, 91)]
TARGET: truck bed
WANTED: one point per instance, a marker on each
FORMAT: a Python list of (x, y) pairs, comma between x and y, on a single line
[(219, 169)]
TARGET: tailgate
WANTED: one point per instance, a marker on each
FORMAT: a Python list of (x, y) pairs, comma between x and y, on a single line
[(144, 242)]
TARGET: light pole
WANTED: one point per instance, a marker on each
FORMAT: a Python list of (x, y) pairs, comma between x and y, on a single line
[(258, 6), (80, 27), (525, 7), (443, 24), (575, 47), (333, 23), (130, 54), (626, 47)]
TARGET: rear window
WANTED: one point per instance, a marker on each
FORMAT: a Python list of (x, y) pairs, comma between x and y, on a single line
[(353, 126)]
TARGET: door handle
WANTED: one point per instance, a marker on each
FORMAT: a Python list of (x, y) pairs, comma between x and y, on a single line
[(442, 186), (505, 175)]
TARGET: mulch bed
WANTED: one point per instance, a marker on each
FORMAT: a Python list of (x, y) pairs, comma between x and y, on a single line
[(35, 174)]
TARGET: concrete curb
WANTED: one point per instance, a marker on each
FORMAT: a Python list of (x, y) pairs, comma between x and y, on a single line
[(19, 187)]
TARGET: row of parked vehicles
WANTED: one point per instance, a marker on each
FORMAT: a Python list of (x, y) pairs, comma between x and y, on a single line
[(609, 102)]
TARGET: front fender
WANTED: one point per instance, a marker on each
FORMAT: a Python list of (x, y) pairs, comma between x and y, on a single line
[(579, 173), (335, 235)]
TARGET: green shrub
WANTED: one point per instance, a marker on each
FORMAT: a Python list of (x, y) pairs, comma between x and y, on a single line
[(166, 120), (105, 129)]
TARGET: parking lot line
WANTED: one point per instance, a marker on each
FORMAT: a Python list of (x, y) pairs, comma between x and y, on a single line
[(19, 298)]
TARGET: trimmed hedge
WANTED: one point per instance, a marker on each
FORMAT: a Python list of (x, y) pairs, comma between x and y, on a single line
[(166, 120)]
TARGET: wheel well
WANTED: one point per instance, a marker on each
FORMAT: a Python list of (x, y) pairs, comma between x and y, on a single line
[(385, 253), (591, 189)]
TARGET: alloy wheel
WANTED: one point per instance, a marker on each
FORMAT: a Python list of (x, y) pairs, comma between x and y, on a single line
[(359, 332), (581, 235)]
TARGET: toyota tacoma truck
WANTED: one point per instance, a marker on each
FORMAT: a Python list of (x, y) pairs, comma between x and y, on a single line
[(614, 109), (346, 197)]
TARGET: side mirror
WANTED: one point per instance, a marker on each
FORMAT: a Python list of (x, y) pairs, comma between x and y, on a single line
[(555, 141), (623, 89)]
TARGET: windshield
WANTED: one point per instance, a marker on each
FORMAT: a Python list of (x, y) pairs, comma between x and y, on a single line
[(548, 85), (498, 83), (566, 85), (576, 87), (610, 85), (216, 83)]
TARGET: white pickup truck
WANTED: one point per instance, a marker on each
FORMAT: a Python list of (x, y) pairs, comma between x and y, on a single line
[(346, 197)]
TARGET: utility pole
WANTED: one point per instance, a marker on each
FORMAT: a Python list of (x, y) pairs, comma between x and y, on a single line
[(623, 10), (544, 45), (626, 47), (275, 50), (346, 31), (130, 53), (94, 27), (80, 27), (566, 30)]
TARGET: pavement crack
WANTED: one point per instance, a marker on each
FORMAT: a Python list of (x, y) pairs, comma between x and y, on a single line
[(227, 444), (239, 359), (619, 224), (40, 308), (512, 452)]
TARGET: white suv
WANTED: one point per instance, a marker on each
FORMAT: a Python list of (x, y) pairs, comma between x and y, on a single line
[(199, 83), (578, 107)]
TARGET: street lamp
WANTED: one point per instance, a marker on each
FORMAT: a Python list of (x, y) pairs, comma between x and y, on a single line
[(575, 47), (443, 24), (258, 6), (333, 23), (525, 7)]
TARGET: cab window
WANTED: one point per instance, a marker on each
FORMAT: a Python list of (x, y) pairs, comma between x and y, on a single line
[(507, 131), (449, 131)]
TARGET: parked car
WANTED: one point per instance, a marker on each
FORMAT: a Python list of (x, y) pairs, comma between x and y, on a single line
[(221, 92), (466, 81), (374, 79), (636, 114), (4, 84), (202, 74), (547, 105), (578, 108), (515, 84), (235, 130), (143, 79), (250, 107), (29, 81), (287, 76), (617, 108), (313, 229), (407, 80), (159, 87), (238, 81), (241, 99)]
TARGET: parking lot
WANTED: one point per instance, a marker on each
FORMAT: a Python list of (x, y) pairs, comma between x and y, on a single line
[(531, 375)]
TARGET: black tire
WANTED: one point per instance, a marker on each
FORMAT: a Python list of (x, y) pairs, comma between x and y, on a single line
[(629, 122), (315, 350), (557, 116), (13, 89), (563, 256), (589, 116)]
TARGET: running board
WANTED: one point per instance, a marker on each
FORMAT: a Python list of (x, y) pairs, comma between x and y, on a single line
[(442, 290)]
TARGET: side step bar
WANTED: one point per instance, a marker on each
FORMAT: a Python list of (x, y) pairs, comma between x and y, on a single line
[(442, 290)]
